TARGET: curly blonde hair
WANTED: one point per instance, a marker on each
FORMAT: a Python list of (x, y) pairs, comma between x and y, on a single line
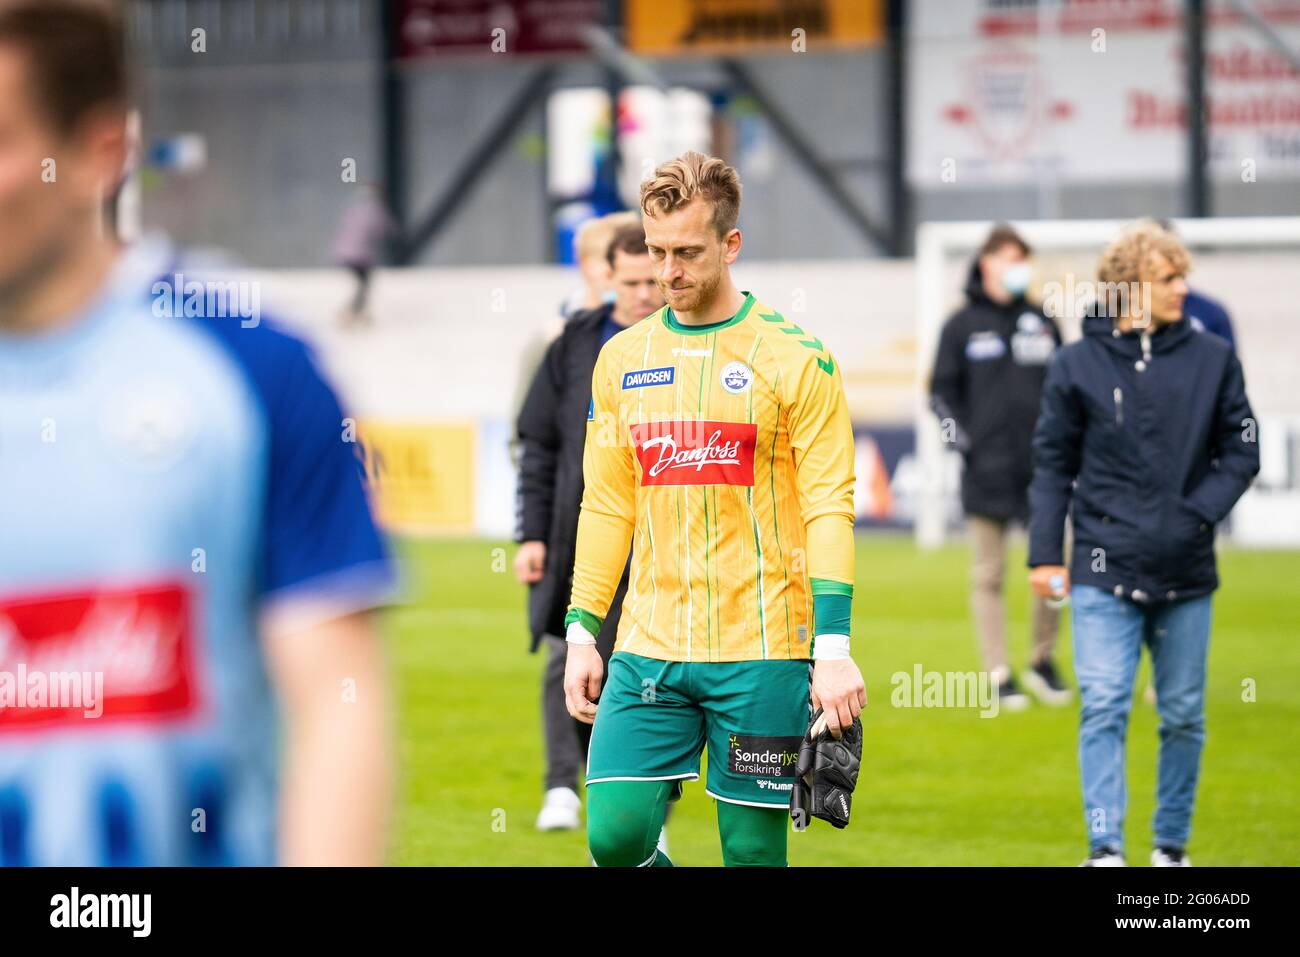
[(678, 181), (1127, 255)]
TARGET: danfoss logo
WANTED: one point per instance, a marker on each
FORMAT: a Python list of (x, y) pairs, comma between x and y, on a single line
[(715, 452), (695, 453), (136, 642)]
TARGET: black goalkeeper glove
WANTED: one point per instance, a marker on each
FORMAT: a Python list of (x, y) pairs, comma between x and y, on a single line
[(826, 774)]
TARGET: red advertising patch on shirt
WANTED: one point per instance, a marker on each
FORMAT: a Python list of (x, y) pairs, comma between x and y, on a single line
[(79, 658), (695, 453)]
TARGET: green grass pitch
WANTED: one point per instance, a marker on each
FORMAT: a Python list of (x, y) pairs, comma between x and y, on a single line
[(938, 787)]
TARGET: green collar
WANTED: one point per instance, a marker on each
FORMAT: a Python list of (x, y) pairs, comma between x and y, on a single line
[(671, 321)]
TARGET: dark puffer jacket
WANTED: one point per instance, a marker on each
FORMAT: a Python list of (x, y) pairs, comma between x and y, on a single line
[(1148, 440), (552, 430), (988, 379)]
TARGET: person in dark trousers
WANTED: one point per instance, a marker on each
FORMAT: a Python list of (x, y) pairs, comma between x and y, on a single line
[(985, 389), (551, 432), (1147, 439)]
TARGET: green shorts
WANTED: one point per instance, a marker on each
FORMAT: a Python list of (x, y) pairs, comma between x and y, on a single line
[(655, 717)]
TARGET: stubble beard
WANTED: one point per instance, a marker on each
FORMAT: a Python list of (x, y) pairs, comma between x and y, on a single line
[(705, 292)]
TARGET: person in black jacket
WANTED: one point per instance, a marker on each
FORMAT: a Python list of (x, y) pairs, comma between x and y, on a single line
[(985, 389), (552, 430), (1147, 438)]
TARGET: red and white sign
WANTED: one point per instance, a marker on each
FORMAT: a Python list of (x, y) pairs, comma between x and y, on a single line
[(1087, 91), (134, 645), (695, 453), (495, 27)]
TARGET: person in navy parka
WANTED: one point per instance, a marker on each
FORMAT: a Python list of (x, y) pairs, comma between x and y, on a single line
[(1146, 438)]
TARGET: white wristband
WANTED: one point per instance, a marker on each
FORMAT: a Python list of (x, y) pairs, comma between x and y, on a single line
[(830, 647), (577, 635)]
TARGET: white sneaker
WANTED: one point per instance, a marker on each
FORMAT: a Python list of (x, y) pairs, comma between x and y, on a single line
[(1105, 857), (1168, 857), (560, 810)]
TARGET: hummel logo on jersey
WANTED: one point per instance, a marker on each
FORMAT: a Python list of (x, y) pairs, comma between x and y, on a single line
[(643, 377), (695, 453)]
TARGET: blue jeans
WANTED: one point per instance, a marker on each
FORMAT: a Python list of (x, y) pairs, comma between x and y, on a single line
[(1108, 637)]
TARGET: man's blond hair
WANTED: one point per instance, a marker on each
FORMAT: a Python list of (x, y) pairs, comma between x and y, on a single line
[(594, 236), (678, 181), (1127, 255)]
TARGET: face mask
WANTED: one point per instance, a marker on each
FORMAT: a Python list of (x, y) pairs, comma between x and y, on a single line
[(1015, 278)]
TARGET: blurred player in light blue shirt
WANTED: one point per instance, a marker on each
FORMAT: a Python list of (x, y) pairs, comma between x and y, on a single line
[(188, 671)]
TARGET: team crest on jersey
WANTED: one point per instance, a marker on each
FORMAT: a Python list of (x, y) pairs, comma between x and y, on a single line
[(736, 377), (644, 377), (695, 453), (150, 424)]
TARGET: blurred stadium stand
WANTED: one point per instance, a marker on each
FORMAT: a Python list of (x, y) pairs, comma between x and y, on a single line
[(287, 88), (850, 121)]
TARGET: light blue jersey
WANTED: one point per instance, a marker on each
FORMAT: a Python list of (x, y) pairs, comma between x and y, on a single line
[(163, 482)]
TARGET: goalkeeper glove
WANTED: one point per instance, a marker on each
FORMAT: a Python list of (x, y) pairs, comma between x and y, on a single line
[(826, 774)]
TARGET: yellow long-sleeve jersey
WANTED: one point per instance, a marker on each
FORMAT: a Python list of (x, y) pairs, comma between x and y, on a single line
[(723, 455)]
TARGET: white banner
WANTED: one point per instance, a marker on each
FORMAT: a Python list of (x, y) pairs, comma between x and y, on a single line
[(1096, 95)]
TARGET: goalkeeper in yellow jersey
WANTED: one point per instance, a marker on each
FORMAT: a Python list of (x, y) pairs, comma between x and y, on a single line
[(719, 449)]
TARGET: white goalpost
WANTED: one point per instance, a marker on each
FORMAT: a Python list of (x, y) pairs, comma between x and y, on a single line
[(1251, 264)]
